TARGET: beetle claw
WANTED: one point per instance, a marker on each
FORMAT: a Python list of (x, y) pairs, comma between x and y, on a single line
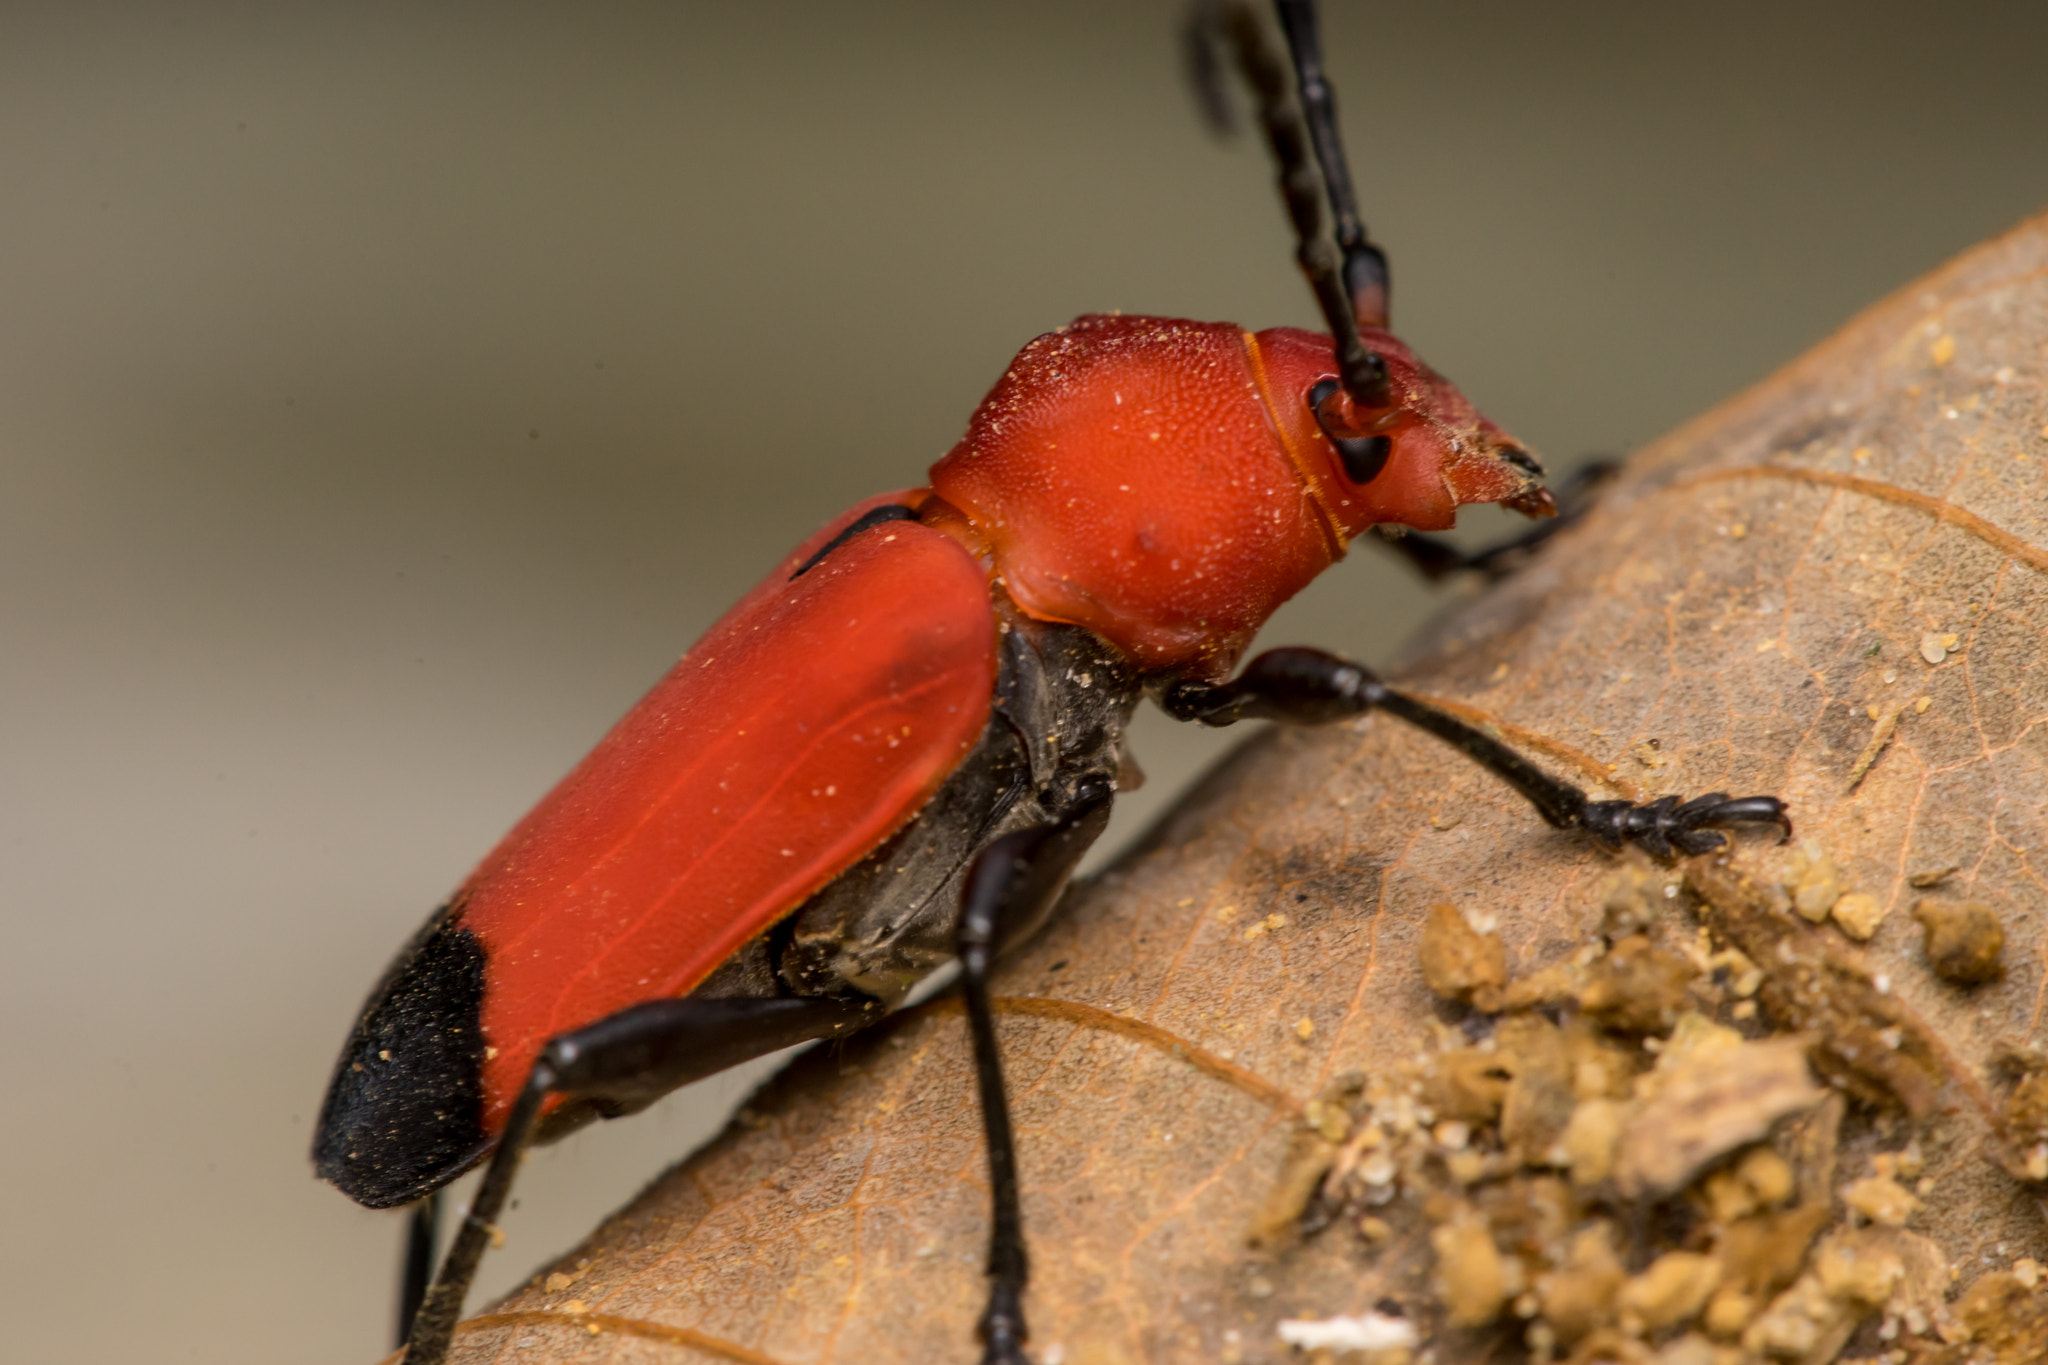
[(1663, 828)]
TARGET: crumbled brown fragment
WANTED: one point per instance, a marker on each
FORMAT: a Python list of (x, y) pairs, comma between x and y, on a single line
[(1470, 1272), (1458, 961), (1693, 1349), (1600, 1068), (1467, 1084), (1580, 1296), (1963, 939), (2000, 1313), (1710, 1093), (1862, 1036), (1311, 1150), (1923, 1280), (1638, 987), (1760, 1180), (1633, 896), (1859, 1269), (1671, 1291), (1591, 1140), (1539, 1099), (1805, 1323), (1881, 1199), (1728, 1312), (1762, 1254), (1554, 985), (1818, 887), (2026, 1119), (1858, 915)]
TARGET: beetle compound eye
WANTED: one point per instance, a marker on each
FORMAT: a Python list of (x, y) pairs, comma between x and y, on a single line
[(1363, 456)]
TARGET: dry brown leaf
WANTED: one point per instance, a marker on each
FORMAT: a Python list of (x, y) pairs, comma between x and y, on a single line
[(1888, 493)]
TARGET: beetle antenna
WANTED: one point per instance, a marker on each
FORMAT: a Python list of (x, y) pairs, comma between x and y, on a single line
[(1204, 66), (1365, 265), (1363, 372)]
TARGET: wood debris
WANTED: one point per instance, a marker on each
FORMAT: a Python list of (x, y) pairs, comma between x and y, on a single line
[(1624, 1160)]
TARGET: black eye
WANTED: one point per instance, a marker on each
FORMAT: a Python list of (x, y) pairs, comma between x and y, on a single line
[(1363, 456)]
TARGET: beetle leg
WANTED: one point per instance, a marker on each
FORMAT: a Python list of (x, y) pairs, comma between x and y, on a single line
[(628, 1058), (1434, 557), (1010, 884), (422, 1230), (1310, 687)]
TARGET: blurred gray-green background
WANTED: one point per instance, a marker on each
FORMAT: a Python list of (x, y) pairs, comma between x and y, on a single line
[(389, 392)]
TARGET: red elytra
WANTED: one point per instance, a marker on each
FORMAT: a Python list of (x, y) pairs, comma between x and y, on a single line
[(805, 726)]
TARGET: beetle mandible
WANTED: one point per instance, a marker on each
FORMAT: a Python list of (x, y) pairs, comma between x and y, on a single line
[(896, 748)]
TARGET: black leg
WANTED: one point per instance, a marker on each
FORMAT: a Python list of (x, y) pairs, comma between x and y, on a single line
[(1436, 558), (1010, 884), (1310, 687), (627, 1059), (422, 1229)]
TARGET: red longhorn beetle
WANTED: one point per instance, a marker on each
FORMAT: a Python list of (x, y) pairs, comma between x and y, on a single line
[(895, 749)]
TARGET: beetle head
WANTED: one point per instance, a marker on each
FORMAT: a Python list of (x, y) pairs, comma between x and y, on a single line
[(1412, 462)]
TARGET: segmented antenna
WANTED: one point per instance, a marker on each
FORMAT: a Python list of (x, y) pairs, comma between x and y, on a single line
[(1232, 24), (1365, 265)]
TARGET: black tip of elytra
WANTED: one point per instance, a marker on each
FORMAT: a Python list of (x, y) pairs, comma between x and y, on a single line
[(404, 1112)]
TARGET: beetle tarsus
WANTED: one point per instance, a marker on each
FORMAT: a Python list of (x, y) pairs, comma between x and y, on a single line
[(1663, 828), (1311, 687)]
